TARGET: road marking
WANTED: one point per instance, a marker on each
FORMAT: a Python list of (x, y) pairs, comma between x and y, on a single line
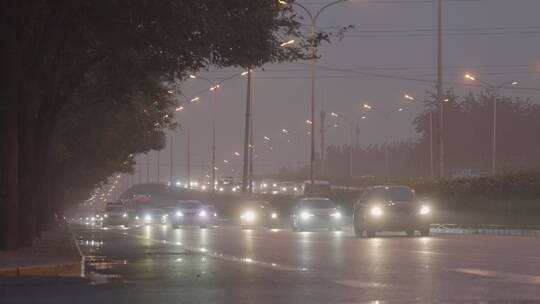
[(424, 252), (221, 256), (507, 276), (358, 284)]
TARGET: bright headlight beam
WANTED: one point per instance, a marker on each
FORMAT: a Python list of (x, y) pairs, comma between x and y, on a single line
[(376, 211), (425, 210), (249, 216)]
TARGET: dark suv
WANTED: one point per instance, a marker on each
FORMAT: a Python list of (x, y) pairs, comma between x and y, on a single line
[(390, 208)]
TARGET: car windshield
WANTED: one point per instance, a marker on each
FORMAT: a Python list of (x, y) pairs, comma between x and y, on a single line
[(392, 194), (190, 205), (318, 203), (115, 209)]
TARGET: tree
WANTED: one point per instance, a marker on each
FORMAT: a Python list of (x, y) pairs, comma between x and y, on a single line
[(54, 46)]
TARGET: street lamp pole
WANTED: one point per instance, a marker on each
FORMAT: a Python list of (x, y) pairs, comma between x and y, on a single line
[(386, 116), (157, 159), (495, 92), (147, 168), (313, 19), (431, 157), (245, 169), (171, 159), (188, 154), (352, 124)]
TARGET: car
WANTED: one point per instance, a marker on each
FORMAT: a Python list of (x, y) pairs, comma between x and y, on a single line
[(191, 213), (211, 210), (258, 213), (115, 215), (390, 208), (153, 217), (289, 188), (320, 187), (316, 212)]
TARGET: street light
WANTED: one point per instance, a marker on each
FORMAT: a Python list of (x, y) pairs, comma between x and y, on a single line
[(386, 116), (213, 88), (495, 91), (431, 156), (352, 124), (313, 18)]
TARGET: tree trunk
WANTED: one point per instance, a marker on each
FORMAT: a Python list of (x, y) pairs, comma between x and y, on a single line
[(9, 76), (27, 172)]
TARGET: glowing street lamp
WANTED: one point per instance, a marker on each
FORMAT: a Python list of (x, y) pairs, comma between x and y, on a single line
[(287, 43), (495, 90)]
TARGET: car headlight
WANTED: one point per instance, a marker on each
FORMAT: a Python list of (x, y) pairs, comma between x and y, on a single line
[(274, 215), (376, 211), (248, 216), (284, 189), (425, 210), (215, 213), (137, 217), (147, 217), (124, 215), (93, 219), (106, 215), (202, 213), (179, 213), (295, 189), (336, 214), (304, 215)]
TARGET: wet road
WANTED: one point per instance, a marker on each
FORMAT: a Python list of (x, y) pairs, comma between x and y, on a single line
[(228, 265)]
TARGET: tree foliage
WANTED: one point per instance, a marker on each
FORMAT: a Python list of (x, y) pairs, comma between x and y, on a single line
[(84, 86)]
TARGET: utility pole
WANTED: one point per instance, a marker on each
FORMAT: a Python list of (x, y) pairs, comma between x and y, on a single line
[(171, 159), (188, 158), (357, 131), (147, 168), (251, 147), (139, 163), (323, 157), (440, 101), (431, 171), (214, 140), (157, 160), (245, 169)]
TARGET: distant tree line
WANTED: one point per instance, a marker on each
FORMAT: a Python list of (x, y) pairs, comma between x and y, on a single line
[(85, 85), (468, 141)]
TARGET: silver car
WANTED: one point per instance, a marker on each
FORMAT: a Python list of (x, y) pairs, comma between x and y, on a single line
[(316, 212), (191, 213)]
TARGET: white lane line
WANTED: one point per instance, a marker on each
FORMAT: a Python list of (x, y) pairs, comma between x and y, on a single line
[(220, 255), (424, 252), (506, 276), (359, 284)]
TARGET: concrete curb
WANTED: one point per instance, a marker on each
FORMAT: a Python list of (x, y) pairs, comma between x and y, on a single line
[(63, 269)]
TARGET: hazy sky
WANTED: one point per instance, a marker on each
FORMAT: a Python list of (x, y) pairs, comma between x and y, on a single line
[(495, 39)]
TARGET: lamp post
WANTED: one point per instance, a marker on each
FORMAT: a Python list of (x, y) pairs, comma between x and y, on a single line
[(313, 18), (495, 91), (212, 89), (386, 116), (352, 124), (431, 157)]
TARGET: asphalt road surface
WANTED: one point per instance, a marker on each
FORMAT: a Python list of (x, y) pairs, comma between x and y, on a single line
[(158, 264)]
